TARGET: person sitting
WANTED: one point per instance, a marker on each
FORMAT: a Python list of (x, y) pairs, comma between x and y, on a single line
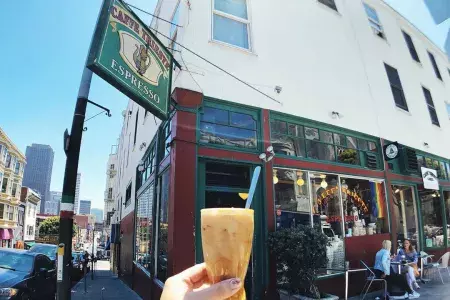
[(382, 269), (408, 253)]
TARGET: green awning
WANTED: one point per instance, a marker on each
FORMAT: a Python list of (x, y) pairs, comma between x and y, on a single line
[(30, 244)]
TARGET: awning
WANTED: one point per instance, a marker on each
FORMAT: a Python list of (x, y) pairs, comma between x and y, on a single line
[(5, 234)]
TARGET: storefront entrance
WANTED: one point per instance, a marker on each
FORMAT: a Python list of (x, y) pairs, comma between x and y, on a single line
[(226, 185)]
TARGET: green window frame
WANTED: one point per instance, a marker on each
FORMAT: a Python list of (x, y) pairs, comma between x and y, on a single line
[(221, 125), (442, 167), (310, 140)]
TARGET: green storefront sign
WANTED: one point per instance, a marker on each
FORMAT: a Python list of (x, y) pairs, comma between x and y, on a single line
[(125, 53)]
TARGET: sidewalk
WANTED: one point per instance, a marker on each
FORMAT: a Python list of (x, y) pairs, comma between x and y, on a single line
[(104, 286)]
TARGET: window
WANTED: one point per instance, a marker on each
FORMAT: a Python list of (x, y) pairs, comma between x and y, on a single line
[(110, 193), (175, 20), (410, 44), (30, 230), (14, 189), (447, 214), (144, 229), (432, 218), (442, 168), (2, 211), (448, 109), (1, 151), (17, 168), (405, 214), (230, 22), (149, 164), (396, 87), (301, 141), (163, 226), (374, 21), (111, 166), (330, 3), (435, 66), (228, 128), (8, 160), (431, 108), (167, 136), (10, 213), (4, 184), (128, 195)]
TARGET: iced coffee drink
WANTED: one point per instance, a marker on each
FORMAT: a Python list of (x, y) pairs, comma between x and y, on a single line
[(227, 236)]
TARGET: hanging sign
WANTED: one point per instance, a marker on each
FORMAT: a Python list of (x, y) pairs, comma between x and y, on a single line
[(430, 179), (390, 151), (125, 53)]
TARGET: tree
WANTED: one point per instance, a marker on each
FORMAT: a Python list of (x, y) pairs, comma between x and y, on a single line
[(51, 226)]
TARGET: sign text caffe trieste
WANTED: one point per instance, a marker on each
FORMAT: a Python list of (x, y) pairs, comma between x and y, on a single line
[(129, 56)]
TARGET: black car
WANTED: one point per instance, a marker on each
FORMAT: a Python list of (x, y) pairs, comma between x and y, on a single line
[(47, 249), (26, 275)]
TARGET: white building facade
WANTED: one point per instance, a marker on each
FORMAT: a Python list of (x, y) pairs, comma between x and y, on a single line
[(31, 201), (111, 177)]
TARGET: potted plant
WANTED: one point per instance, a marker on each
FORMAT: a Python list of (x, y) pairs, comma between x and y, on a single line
[(299, 252)]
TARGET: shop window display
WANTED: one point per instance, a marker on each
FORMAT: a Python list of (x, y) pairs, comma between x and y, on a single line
[(144, 228), (432, 218), (405, 214), (447, 214)]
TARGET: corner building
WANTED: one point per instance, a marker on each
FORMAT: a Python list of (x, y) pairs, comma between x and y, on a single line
[(351, 77)]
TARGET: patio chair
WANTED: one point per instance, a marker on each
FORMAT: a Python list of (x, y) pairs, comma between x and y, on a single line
[(371, 278), (427, 263), (443, 264)]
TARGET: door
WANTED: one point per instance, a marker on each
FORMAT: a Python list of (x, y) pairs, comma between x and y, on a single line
[(224, 184)]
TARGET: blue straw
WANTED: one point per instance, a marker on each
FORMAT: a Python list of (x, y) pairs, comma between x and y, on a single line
[(251, 192)]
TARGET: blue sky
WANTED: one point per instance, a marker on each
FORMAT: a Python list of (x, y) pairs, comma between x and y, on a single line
[(43, 55)]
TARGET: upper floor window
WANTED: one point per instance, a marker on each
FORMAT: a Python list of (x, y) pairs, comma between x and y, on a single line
[(435, 66), (230, 128), (2, 210), (431, 108), (8, 160), (111, 166), (441, 167), (231, 23), (396, 87), (4, 184), (374, 21), (167, 131), (303, 141), (1, 152), (128, 194), (410, 44), (448, 109), (330, 3), (110, 193), (17, 168), (175, 20)]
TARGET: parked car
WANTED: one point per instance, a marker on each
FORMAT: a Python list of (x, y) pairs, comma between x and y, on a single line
[(26, 275), (46, 249)]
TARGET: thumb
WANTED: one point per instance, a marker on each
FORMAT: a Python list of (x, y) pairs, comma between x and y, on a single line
[(218, 291)]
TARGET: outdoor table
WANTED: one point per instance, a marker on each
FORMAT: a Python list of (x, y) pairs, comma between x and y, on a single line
[(399, 264), (346, 271)]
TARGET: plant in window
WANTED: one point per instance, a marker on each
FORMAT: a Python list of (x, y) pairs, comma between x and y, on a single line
[(300, 252), (348, 156)]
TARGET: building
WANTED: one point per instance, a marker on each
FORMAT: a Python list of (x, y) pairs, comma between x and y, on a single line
[(355, 77), (111, 172), (85, 207), (98, 213), (12, 163), (31, 202), (38, 172), (77, 194), (53, 203)]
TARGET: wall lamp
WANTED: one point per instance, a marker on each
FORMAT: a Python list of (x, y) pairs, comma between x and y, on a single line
[(268, 155)]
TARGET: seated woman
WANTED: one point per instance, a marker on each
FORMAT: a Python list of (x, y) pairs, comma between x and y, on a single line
[(383, 270), (409, 254)]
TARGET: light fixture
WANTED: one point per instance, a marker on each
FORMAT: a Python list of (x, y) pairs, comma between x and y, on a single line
[(141, 166), (300, 180), (244, 196), (263, 157), (268, 155), (397, 191), (323, 176), (275, 178), (324, 184)]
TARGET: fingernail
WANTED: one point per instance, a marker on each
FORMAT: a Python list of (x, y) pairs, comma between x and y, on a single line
[(235, 283)]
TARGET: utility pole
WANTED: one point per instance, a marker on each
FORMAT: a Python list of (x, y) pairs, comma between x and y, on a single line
[(72, 146)]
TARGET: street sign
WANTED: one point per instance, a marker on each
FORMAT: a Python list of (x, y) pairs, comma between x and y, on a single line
[(125, 53)]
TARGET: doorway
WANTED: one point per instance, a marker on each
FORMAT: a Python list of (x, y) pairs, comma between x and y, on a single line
[(223, 184)]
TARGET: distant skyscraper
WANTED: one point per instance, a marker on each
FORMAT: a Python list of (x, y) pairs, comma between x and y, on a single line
[(85, 207), (76, 207), (53, 203), (38, 170), (98, 213)]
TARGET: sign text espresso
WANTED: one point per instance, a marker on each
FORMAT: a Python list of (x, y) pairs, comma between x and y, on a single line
[(130, 57)]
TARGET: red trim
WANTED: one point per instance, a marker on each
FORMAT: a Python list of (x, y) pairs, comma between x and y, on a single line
[(307, 165), (229, 155), (66, 214), (268, 174)]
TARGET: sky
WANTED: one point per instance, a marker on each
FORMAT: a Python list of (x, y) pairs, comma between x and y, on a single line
[(44, 44)]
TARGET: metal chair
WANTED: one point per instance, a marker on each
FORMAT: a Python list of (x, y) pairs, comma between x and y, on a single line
[(443, 264), (427, 264), (371, 278)]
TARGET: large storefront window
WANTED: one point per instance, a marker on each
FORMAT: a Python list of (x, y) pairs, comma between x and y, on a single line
[(309, 142), (447, 214), (163, 226), (340, 206), (405, 214), (221, 126), (432, 218), (144, 228), (441, 167)]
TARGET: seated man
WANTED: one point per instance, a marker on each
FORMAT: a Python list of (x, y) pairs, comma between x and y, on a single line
[(382, 269)]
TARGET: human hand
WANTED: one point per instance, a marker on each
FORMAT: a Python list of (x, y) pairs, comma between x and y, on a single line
[(193, 284)]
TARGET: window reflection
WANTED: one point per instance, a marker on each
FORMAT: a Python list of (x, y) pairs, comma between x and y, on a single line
[(432, 218), (144, 228), (405, 214), (163, 226), (447, 213)]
